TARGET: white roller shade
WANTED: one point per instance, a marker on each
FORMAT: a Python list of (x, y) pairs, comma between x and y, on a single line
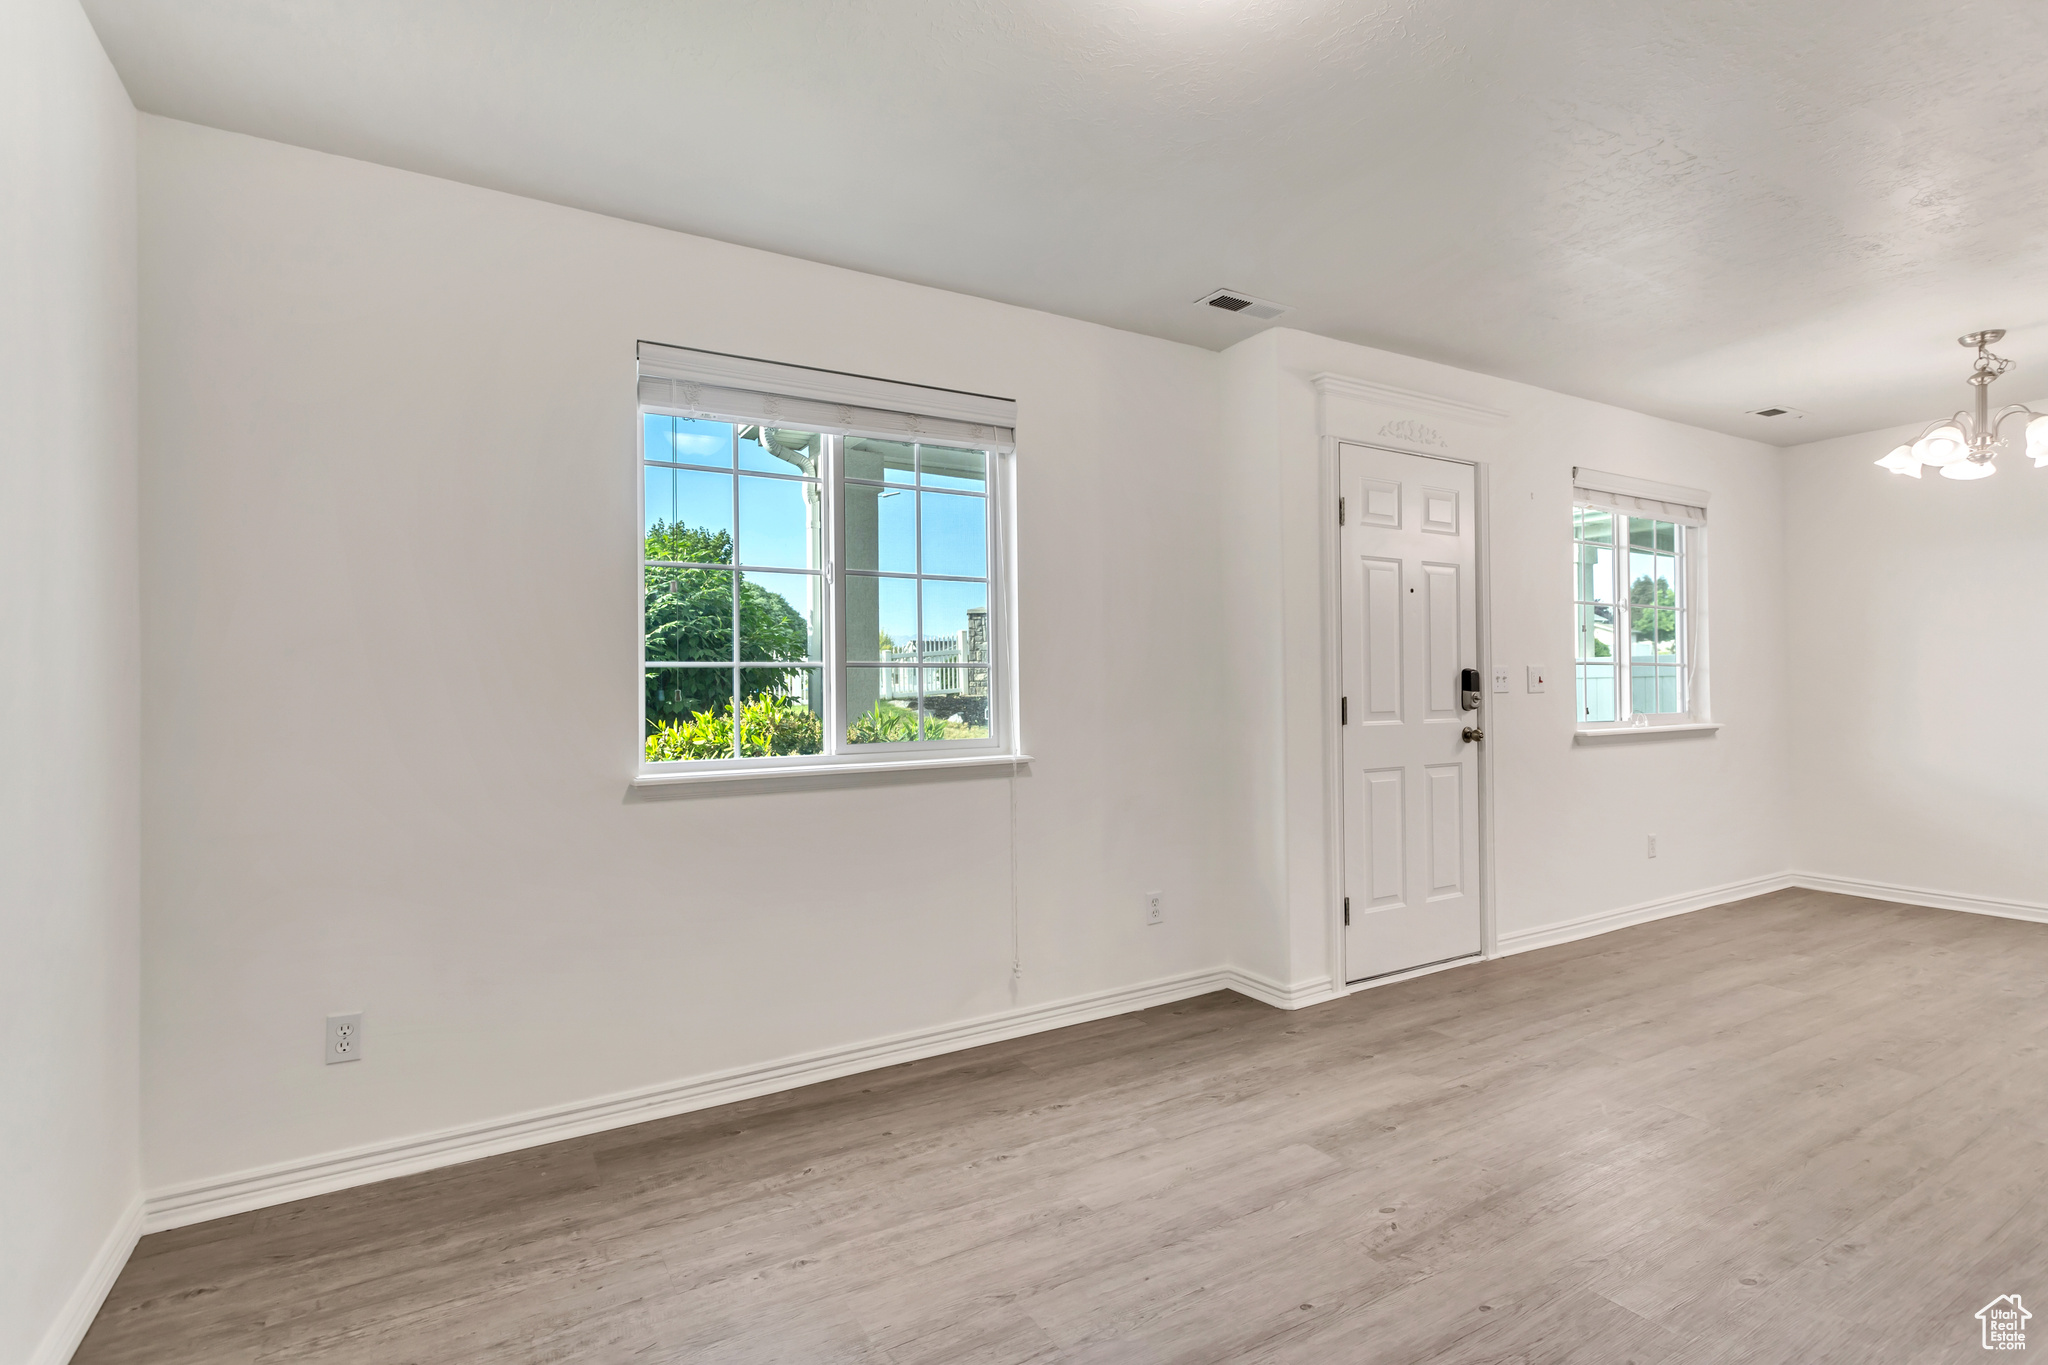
[(1641, 497), (690, 383)]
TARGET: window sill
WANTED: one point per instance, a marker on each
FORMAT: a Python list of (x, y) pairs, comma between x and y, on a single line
[(1623, 734), (793, 770)]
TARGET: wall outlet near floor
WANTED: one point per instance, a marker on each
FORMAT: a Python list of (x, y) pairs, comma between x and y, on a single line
[(1500, 680), (344, 1038), (1653, 846), (1155, 908), (1539, 677)]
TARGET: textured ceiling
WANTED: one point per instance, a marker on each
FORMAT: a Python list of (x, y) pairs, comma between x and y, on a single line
[(1692, 207)]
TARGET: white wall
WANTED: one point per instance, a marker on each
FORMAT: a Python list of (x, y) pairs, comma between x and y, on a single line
[(1571, 821), (1917, 653), (68, 687), (390, 464), (1252, 620)]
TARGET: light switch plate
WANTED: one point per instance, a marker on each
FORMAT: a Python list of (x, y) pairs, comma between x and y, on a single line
[(1537, 680), (1500, 680)]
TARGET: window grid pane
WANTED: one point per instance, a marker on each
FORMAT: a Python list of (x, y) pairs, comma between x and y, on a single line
[(1630, 658), (736, 598), (945, 591), (1596, 693), (1647, 676), (704, 616), (1601, 621)]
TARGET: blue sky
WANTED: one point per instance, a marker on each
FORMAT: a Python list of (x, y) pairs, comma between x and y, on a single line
[(773, 524)]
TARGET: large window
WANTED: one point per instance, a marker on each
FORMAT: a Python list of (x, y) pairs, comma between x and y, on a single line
[(816, 597), (1632, 656)]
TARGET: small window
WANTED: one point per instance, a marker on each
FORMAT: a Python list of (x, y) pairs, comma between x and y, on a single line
[(817, 593), (1634, 651)]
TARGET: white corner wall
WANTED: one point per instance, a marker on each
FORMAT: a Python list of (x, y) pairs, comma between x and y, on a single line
[(1917, 653), (69, 1177), (389, 562), (1570, 822)]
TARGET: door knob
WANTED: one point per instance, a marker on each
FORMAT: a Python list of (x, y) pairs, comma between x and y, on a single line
[(1473, 736)]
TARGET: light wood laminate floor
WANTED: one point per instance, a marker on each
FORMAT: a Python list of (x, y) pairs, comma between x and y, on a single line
[(1803, 1128)]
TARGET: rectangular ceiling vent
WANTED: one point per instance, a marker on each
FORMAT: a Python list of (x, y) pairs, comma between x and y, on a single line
[(1243, 304), (1776, 412)]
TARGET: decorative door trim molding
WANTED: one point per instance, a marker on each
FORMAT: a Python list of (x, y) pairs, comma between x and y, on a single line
[(1329, 384)]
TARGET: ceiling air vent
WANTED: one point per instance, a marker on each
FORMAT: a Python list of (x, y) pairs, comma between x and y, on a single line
[(1776, 412), (1242, 304)]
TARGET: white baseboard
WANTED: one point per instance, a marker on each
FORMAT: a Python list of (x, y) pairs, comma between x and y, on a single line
[(1267, 991), (62, 1339), (1565, 931), (199, 1200), (1920, 895), (217, 1197)]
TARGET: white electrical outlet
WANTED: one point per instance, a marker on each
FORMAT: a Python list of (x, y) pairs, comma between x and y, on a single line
[(344, 1038), (1500, 680), (1653, 845), (1537, 680), (1155, 908)]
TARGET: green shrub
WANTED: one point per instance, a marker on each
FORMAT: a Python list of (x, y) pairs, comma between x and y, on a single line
[(776, 724), (889, 723), (703, 735), (769, 725), (885, 724)]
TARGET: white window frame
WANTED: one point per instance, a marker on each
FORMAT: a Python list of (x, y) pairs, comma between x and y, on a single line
[(1627, 496), (677, 381)]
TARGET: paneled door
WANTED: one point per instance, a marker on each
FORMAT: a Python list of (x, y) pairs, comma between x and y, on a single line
[(1411, 753)]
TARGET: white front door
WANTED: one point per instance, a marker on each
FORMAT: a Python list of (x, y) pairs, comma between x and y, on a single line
[(1411, 778)]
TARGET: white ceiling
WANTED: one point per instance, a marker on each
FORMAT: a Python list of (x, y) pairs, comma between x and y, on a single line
[(1688, 207)]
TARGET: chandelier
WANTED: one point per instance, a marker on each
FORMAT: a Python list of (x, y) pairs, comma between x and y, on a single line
[(1964, 445)]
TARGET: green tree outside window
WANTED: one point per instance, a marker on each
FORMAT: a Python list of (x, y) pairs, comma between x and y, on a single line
[(690, 619), (1653, 612)]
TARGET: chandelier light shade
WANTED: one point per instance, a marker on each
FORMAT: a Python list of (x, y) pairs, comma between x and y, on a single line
[(2037, 441), (1942, 446), (1965, 446)]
